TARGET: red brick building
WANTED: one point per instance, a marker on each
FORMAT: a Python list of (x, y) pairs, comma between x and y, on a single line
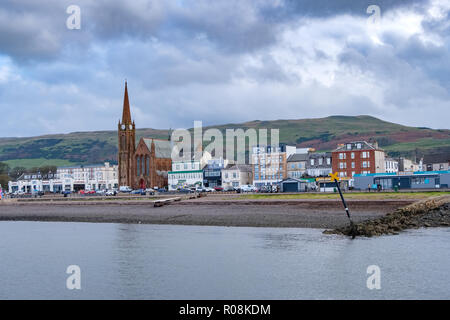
[(358, 157), (144, 166)]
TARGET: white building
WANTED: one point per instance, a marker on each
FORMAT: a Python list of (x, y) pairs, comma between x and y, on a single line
[(187, 173), (391, 165), (69, 178), (237, 175)]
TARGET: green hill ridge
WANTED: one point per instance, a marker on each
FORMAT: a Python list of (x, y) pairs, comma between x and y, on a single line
[(323, 134)]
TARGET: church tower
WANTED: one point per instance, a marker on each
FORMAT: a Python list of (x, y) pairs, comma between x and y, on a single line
[(126, 131)]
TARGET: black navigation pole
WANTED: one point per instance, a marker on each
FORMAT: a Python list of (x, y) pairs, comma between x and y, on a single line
[(334, 177)]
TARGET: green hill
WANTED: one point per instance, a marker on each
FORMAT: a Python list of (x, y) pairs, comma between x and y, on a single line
[(320, 133)]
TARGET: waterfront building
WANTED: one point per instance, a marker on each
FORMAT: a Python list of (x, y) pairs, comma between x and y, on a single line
[(69, 178), (319, 164), (269, 163), (407, 165), (326, 184), (402, 181), (212, 172), (358, 157), (188, 173), (391, 165), (146, 165), (436, 162), (237, 175), (296, 165)]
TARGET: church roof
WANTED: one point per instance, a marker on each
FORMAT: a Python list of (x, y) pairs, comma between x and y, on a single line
[(163, 148), (126, 114)]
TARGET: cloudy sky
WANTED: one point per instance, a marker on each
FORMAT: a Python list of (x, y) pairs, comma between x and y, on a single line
[(221, 61)]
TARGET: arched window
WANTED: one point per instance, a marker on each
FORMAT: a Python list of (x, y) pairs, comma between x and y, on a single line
[(148, 165), (138, 165)]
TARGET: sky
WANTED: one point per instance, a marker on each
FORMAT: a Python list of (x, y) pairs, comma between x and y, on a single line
[(221, 61)]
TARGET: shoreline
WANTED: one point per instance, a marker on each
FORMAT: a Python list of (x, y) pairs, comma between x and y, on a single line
[(322, 214), (433, 212)]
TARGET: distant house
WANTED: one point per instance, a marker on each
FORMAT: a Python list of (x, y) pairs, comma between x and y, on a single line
[(296, 165), (359, 157), (407, 165), (212, 172), (391, 165), (319, 164), (237, 175), (436, 162)]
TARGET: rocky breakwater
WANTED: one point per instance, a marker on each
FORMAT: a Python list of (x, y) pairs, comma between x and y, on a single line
[(432, 212)]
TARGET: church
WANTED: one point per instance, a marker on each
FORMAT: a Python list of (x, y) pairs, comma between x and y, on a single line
[(145, 165)]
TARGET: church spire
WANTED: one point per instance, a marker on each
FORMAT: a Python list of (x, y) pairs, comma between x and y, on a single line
[(126, 114)]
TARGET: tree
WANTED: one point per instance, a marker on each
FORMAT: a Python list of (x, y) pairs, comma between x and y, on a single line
[(4, 178), (4, 168), (16, 172), (47, 169)]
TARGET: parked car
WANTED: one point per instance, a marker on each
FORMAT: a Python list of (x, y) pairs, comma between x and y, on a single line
[(265, 189), (125, 189), (200, 189), (184, 190), (248, 188), (229, 188), (111, 193), (150, 191), (66, 193), (138, 191), (209, 189), (161, 190), (217, 188)]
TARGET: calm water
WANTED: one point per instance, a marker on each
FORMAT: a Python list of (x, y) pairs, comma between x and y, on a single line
[(189, 262)]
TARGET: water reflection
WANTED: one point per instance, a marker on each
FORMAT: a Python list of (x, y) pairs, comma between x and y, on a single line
[(188, 262)]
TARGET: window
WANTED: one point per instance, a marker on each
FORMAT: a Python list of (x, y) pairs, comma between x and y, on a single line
[(320, 161), (349, 146), (328, 161), (364, 164), (353, 165), (353, 155), (358, 146), (138, 166), (312, 162)]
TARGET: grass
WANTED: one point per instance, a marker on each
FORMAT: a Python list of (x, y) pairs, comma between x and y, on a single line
[(349, 195), (37, 162)]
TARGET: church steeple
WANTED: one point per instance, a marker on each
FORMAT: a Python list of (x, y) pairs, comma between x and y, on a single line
[(126, 114), (126, 144)]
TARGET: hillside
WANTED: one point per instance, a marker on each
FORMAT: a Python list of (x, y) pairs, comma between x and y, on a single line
[(320, 133)]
